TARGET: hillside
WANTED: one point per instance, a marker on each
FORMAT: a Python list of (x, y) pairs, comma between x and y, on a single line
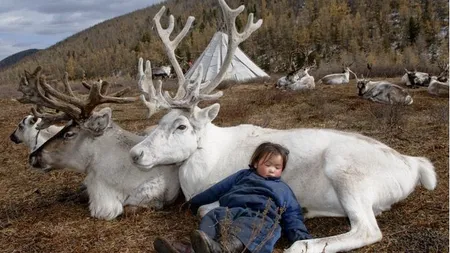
[(12, 59), (389, 34)]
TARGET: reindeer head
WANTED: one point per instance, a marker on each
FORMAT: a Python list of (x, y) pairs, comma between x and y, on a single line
[(361, 84), (25, 131), (179, 132), (64, 149), (79, 111)]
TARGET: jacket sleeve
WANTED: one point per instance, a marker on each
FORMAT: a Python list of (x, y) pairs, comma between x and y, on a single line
[(293, 222), (214, 193)]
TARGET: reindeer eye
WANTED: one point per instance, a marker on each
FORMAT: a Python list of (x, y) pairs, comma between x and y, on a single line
[(181, 127), (69, 135)]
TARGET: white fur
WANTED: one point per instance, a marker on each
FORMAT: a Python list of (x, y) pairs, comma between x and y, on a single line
[(112, 181), (338, 78), (286, 81), (405, 80), (436, 87), (166, 69), (332, 173), (27, 133), (420, 79), (383, 92), (306, 82)]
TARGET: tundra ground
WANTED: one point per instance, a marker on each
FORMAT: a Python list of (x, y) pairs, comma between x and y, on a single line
[(35, 218)]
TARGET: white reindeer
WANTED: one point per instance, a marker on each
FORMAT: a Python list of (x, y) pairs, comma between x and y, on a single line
[(332, 173), (383, 92), (413, 79), (306, 82), (435, 87), (26, 132), (338, 78), (286, 81), (92, 143), (163, 72)]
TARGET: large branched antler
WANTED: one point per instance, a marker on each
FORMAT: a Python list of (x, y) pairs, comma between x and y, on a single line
[(171, 45), (37, 91), (33, 93), (151, 97), (189, 93), (105, 88), (155, 100), (234, 39)]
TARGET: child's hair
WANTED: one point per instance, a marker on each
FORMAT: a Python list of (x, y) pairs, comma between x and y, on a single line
[(269, 148)]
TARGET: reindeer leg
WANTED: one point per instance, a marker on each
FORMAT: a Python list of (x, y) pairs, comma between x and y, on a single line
[(150, 194), (103, 201), (364, 231), (350, 184)]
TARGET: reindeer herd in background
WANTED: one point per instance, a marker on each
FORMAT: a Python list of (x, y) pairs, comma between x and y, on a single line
[(329, 170), (378, 91)]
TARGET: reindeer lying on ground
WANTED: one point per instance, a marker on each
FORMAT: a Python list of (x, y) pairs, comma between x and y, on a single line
[(339, 78), (92, 143), (436, 86), (27, 133), (288, 80), (383, 92), (306, 82), (332, 173), (162, 72), (413, 79), (298, 79)]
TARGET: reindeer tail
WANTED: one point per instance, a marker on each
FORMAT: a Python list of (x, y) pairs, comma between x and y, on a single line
[(427, 175), (408, 100)]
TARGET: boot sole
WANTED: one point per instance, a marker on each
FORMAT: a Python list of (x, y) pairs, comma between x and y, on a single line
[(199, 243), (163, 246)]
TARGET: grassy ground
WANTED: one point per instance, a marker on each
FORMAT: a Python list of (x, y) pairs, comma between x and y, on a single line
[(34, 219)]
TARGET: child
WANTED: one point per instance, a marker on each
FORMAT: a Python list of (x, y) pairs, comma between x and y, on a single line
[(254, 203)]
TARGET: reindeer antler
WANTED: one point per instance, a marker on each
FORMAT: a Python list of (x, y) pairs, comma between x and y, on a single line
[(171, 45), (189, 94), (155, 100), (235, 38), (105, 87), (152, 98), (34, 85)]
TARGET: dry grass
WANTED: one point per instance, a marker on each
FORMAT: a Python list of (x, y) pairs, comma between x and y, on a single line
[(32, 219)]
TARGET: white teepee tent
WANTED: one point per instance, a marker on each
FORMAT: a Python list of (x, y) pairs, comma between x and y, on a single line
[(240, 69)]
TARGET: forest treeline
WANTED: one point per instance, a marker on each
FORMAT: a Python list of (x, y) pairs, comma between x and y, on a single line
[(389, 34)]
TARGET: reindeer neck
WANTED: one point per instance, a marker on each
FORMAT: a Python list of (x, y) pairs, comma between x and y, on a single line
[(217, 146), (116, 135)]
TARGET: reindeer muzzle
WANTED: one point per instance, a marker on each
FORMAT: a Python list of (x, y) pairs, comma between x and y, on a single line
[(14, 138)]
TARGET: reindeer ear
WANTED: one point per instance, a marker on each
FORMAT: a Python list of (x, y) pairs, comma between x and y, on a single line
[(98, 121), (33, 120), (201, 117)]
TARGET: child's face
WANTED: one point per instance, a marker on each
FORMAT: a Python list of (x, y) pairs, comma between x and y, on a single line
[(270, 165)]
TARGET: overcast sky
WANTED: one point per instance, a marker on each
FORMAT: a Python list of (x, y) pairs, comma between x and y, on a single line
[(26, 24)]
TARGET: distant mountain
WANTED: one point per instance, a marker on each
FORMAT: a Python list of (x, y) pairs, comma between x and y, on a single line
[(12, 59)]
